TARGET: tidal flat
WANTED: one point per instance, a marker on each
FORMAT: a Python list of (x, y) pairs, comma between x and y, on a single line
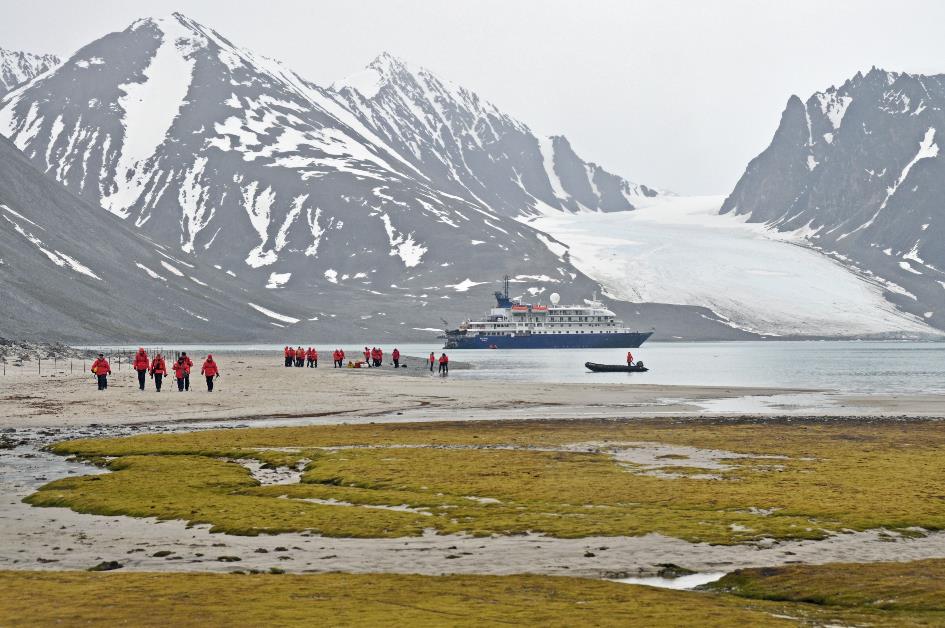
[(718, 481)]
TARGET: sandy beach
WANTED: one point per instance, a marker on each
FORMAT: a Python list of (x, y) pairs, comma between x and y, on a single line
[(257, 389)]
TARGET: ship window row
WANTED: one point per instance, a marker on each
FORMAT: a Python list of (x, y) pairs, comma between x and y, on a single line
[(522, 325)]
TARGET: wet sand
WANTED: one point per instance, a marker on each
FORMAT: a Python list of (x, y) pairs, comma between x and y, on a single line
[(258, 391)]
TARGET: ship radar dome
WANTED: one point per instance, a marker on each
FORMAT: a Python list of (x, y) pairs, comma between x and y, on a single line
[(555, 298)]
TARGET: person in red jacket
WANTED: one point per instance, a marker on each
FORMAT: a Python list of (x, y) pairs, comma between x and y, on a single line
[(395, 356), (367, 356), (341, 358), (210, 370), (432, 359), (289, 355), (444, 365), (374, 356), (158, 370), (102, 369), (300, 357), (182, 372), (314, 358), (141, 364), (380, 357), (629, 359), (308, 357)]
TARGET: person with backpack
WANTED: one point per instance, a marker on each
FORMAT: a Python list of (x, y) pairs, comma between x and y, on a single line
[(102, 369), (444, 365), (210, 370), (158, 370), (141, 364)]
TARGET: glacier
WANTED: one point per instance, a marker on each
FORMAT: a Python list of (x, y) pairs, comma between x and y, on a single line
[(680, 250)]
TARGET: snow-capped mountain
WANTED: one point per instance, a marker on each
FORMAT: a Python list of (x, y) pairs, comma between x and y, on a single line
[(73, 272), (470, 148), (230, 156), (230, 161), (18, 67), (858, 172)]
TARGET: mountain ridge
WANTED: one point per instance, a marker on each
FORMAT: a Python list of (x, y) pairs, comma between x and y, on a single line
[(856, 170), (18, 67)]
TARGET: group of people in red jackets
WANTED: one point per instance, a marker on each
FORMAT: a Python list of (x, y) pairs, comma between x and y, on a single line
[(157, 368), (373, 357), (301, 357)]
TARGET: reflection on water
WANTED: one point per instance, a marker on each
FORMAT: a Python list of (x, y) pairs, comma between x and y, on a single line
[(863, 367), (682, 582)]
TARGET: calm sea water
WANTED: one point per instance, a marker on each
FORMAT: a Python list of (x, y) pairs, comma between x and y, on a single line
[(880, 367)]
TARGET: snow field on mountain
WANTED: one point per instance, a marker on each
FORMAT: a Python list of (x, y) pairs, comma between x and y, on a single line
[(679, 250)]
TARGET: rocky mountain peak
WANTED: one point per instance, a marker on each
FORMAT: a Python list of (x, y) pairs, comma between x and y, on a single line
[(18, 67)]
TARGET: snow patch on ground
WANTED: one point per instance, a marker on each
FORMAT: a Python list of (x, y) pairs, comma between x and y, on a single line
[(277, 280), (465, 285), (403, 246), (151, 273), (274, 315), (680, 250)]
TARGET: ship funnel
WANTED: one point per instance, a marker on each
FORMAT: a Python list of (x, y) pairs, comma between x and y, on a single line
[(555, 298)]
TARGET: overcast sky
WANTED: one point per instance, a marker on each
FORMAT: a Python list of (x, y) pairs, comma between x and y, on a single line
[(678, 95)]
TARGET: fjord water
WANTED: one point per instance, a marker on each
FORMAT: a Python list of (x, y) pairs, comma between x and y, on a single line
[(862, 367), (845, 366)]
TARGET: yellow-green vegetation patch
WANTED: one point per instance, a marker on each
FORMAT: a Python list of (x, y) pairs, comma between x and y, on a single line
[(716, 481), (148, 599), (917, 587)]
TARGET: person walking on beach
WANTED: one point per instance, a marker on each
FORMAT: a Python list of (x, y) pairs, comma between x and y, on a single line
[(102, 369), (182, 372), (395, 356), (141, 364), (367, 356), (629, 359), (314, 358), (444, 365), (289, 355), (432, 359), (210, 370), (190, 366), (308, 357), (158, 370)]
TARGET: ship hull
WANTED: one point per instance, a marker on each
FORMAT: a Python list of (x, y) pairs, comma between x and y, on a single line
[(617, 340)]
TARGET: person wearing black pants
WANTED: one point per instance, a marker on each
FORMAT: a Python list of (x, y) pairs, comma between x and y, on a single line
[(102, 370), (158, 371), (210, 370)]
